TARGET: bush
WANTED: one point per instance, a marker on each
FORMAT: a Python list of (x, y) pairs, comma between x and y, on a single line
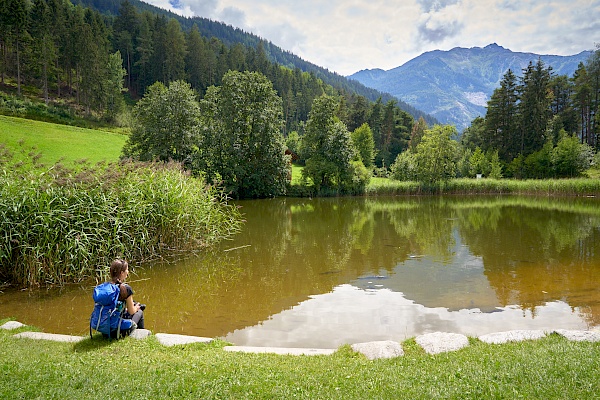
[(570, 157), (403, 169)]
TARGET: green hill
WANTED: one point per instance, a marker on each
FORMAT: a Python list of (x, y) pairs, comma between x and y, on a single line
[(56, 142)]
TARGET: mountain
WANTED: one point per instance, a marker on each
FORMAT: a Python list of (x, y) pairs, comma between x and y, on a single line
[(454, 86), (230, 35)]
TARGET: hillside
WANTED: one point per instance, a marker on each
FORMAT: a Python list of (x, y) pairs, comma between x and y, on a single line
[(454, 86), (59, 143), (230, 35)]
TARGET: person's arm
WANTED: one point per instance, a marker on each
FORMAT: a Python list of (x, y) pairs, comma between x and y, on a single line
[(131, 307)]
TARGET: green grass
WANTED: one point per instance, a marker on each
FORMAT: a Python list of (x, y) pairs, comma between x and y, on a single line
[(56, 142), (296, 174), (593, 173), (550, 368)]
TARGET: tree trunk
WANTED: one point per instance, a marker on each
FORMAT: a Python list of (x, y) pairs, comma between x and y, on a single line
[(18, 69)]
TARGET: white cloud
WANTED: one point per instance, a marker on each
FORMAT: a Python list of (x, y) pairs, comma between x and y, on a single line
[(348, 35)]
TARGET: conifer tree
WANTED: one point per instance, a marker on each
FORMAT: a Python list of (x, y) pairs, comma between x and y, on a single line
[(534, 107), (501, 119), (15, 17), (43, 46)]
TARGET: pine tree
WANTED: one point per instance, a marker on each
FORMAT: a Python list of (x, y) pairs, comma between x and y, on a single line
[(125, 32), (15, 17), (194, 60), (582, 102), (534, 107), (501, 119), (416, 134), (144, 51), (174, 62), (43, 46)]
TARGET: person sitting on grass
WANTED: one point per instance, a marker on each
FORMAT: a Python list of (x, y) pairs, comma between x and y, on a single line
[(119, 270)]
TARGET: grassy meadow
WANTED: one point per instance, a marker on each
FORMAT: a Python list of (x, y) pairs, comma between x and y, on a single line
[(550, 368), (60, 142)]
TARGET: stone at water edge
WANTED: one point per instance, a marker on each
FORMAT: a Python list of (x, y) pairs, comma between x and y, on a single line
[(512, 336), (169, 339), (441, 342), (12, 325), (290, 351), (140, 334), (580, 336), (50, 336), (379, 349)]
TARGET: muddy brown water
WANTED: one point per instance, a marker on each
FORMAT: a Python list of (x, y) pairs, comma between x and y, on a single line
[(325, 272)]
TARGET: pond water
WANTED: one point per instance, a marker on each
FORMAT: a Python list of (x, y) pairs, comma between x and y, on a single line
[(326, 272)]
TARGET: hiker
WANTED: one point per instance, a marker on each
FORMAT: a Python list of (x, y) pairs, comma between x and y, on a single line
[(119, 270)]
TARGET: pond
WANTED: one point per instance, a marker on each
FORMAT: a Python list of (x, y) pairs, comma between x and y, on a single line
[(326, 272)]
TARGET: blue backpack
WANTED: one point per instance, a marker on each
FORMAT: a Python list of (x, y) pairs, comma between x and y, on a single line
[(107, 317)]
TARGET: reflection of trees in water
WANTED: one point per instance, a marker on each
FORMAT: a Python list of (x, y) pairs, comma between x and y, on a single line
[(426, 227), (288, 250), (302, 247), (534, 253)]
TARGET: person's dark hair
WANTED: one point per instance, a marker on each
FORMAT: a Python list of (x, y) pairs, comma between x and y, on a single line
[(116, 268)]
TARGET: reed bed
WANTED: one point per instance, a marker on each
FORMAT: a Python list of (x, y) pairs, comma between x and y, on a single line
[(60, 225), (549, 187)]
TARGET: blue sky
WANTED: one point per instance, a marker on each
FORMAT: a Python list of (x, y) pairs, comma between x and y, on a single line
[(346, 36)]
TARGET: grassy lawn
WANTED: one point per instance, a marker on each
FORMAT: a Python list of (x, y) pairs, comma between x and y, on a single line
[(297, 174), (550, 368), (57, 142)]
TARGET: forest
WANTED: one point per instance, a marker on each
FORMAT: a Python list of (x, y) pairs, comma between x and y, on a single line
[(70, 54), (528, 116), (99, 65)]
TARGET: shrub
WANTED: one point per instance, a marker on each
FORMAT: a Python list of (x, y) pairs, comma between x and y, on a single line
[(403, 169)]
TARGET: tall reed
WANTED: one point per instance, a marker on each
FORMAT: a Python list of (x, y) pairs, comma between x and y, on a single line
[(60, 225), (550, 187)]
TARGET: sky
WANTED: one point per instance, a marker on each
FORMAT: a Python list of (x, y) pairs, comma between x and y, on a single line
[(346, 36)]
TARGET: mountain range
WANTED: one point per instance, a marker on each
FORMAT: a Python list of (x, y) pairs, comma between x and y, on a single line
[(454, 86)]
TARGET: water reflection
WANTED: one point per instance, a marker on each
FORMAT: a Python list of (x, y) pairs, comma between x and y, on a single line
[(323, 272)]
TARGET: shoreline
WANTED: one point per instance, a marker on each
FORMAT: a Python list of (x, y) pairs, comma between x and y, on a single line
[(432, 343)]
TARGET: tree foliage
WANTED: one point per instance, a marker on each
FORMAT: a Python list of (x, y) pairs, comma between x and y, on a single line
[(362, 140), (241, 142), (166, 124), (570, 157), (435, 157), (328, 149), (527, 120)]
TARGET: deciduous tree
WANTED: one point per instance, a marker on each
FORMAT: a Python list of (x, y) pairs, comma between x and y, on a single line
[(166, 124), (328, 147), (435, 156), (241, 142), (362, 140)]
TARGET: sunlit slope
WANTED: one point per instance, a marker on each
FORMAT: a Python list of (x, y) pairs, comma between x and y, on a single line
[(56, 142)]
